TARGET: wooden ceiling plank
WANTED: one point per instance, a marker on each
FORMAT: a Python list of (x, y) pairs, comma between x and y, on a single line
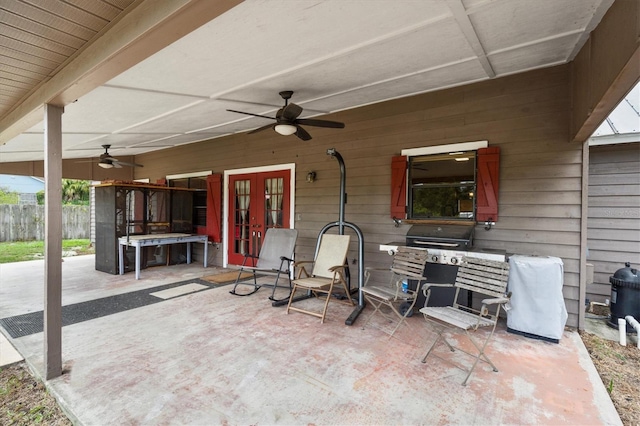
[(99, 8), (35, 40), (30, 28), (28, 73), (72, 13), (19, 77), (31, 49), (57, 19), (12, 54)]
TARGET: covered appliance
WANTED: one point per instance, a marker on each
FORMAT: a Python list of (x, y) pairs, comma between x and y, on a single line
[(537, 303)]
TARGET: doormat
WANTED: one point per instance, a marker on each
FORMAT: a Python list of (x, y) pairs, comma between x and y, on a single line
[(33, 322), (226, 277)]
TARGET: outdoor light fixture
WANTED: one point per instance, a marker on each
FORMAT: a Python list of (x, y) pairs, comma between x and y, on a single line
[(285, 129), (311, 177), (105, 165)]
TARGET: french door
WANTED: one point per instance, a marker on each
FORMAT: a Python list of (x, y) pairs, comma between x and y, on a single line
[(257, 202)]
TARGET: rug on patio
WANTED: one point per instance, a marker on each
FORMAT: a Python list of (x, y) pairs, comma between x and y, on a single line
[(226, 277)]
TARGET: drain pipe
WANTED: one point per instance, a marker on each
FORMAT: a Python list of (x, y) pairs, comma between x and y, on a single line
[(636, 326)]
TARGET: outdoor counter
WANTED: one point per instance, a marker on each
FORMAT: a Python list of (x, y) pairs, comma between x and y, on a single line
[(139, 241)]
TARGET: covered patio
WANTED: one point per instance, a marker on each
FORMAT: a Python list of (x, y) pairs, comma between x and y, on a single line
[(209, 357)]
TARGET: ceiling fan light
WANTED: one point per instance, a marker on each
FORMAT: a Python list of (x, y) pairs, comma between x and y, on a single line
[(285, 129), (105, 165)]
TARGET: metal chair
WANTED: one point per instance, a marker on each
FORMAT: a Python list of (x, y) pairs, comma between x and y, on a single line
[(328, 270), (408, 264), (485, 277), (275, 258)]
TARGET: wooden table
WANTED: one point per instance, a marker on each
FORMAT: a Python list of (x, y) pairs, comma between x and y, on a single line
[(139, 241)]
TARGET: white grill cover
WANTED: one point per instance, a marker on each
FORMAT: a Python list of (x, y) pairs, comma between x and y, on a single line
[(537, 303)]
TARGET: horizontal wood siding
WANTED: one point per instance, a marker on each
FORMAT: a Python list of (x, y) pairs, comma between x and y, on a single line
[(613, 225), (526, 115)]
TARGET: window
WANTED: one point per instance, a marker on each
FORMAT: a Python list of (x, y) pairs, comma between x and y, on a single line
[(442, 186), (446, 182)]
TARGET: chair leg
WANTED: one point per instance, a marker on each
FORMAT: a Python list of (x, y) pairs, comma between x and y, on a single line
[(256, 287), (275, 286), (377, 309), (326, 303)]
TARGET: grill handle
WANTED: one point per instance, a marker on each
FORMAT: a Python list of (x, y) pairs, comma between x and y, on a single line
[(433, 243)]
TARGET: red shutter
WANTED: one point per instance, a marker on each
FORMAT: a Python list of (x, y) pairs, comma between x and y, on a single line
[(487, 185), (399, 187), (214, 207)]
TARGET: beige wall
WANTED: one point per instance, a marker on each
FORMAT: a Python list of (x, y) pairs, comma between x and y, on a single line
[(526, 115), (614, 213)]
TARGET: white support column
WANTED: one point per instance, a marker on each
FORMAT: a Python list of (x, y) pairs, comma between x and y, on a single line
[(53, 241)]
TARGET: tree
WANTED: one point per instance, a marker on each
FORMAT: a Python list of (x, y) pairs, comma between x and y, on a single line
[(8, 197), (75, 191)]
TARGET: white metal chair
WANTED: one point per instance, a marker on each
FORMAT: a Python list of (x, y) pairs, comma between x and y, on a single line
[(485, 277), (275, 258), (328, 270), (408, 264)]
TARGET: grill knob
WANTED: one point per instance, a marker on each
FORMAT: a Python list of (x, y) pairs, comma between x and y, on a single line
[(434, 258), (454, 260)]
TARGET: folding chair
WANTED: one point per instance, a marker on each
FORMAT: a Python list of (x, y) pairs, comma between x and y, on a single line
[(408, 264), (275, 258), (485, 277), (328, 270)]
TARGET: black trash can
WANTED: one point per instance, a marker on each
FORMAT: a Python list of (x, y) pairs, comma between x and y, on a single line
[(625, 295)]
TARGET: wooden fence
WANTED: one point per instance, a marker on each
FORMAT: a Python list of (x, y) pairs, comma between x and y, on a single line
[(26, 222)]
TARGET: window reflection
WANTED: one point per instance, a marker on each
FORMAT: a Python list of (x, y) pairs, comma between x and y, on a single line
[(442, 186)]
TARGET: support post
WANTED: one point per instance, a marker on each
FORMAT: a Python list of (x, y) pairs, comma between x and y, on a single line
[(53, 241)]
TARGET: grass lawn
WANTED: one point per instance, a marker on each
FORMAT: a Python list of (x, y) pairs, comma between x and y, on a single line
[(19, 251)]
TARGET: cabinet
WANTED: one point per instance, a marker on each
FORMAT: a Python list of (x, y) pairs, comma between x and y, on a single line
[(140, 209)]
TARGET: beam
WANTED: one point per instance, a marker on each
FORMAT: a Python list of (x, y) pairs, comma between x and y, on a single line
[(53, 241), (606, 68), (462, 18), (146, 29)]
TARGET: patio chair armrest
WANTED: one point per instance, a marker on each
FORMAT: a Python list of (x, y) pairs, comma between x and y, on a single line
[(495, 301), (427, 286), (367, 273), (302, 269)]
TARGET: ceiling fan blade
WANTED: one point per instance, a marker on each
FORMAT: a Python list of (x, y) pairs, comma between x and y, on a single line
[(116, 164), (303, 134), (259, 129), (291, 112), (320, 123), (124, 163), (249, 113)]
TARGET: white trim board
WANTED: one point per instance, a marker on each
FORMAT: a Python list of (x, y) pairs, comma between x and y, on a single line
[(440, 149)]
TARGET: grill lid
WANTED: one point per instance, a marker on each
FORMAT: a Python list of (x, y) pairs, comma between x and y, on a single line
[(442, 233)]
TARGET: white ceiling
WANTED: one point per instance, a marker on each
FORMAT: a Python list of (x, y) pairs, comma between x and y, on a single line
[(335, 55)]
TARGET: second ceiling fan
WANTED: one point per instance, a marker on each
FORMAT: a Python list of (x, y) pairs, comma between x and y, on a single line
[(287, 121)]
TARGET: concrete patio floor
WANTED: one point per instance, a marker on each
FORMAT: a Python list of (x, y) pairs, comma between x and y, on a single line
[(213, 358)]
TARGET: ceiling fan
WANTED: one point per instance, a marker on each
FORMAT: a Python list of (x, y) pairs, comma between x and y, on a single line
[(287, 121), (108, 162)]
